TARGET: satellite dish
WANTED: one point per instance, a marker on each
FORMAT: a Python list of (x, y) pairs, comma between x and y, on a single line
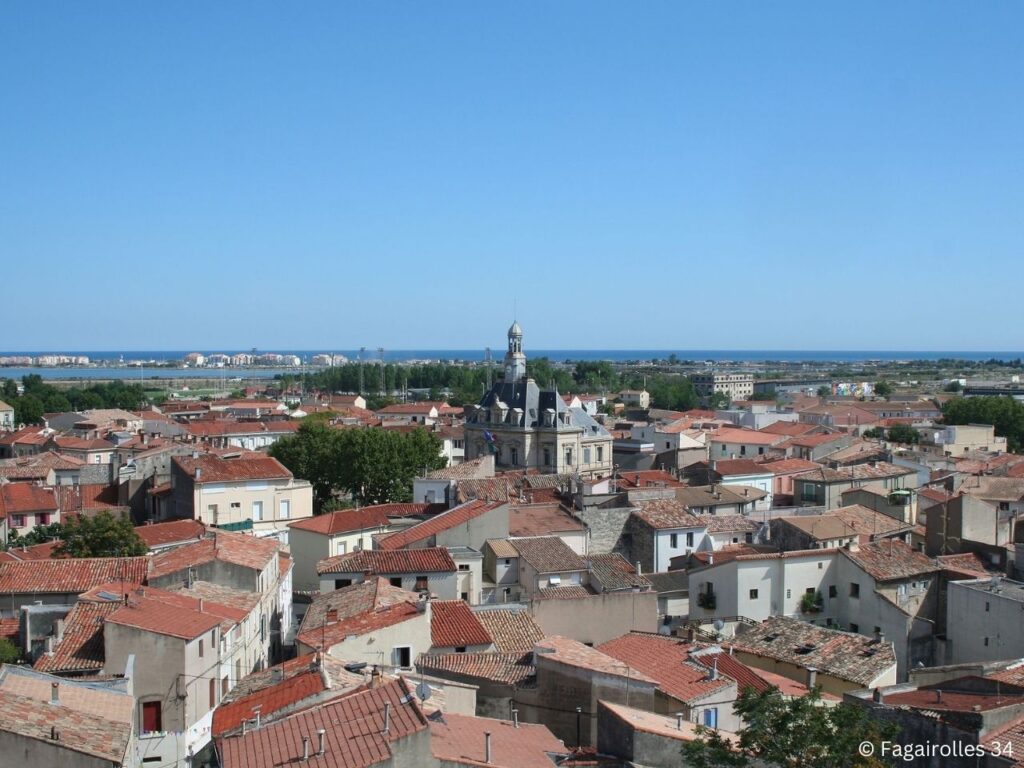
[(423, 691), (719, 625)]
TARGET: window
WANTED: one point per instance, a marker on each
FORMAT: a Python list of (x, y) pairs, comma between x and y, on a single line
[(568, 457), (464, 596), (257, 511), (508, 561), (514, 455), (810, 591), (600, 454), (753, 594), (152, 718), (547, 457), (224, 686), (200, 648), (421, 584), (854, 589), (463, 566), (17, 521), (854, 628), (1004, 506), (986, 606), (236, 505), (284, 508), (213, 693), (808, 492), (673, 540), (820, 566), (42, 519), (760, 451), (748, 538), (586, 455), (211, 511), (832, 591), (689, 538), (396, 581), (711, 717), (986, 642), (743, 450), (402, 656), (789, 593)]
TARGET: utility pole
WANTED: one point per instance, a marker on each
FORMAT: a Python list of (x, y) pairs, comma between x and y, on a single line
[(380, 353)]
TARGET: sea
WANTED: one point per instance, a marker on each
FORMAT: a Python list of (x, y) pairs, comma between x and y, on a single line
[(107, 364)]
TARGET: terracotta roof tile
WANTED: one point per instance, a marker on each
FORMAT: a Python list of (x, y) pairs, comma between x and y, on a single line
[(616, 572), (229, 547), (355, 610), (573, 653), (21, 498), (217, 470), (460, 739), (345, 521), (667, 513), (540, 520), (437, 524), (502, 548), (548, 554), (567, 592), (508, 668), (891, 560), (383, 561), (512, 631), (354, 732), (174, 532), (70, 576), (667, 661), (82, 646), (454, 625), (173, 614)]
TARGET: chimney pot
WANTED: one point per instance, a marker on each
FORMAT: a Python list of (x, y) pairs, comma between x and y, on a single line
[(321, 741), (812, 677), (305, 748), (55, 693)]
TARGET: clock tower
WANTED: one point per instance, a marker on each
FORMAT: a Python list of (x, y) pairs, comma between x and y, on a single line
[(515, 360)]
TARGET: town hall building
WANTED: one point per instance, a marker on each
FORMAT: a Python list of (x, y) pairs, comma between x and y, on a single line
[(526, 427)]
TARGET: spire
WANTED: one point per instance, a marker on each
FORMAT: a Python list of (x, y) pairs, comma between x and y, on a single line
[(515, 359)]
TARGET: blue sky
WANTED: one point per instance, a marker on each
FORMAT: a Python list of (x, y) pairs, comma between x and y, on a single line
[(655, 175)]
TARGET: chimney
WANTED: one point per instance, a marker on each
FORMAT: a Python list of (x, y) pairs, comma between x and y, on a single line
[(195, 454), (201, 605), (639, 570), (199, 472), (256, 711), (679, 722), (938, 696), (711, 558), (332, 614), (387, 718), (879, 636), (515, 718), (305, 748), (55, 693), (812, 677), (321, 741), (487, 746)]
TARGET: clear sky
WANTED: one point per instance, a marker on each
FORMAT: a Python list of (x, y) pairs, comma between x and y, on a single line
[(633, 175)]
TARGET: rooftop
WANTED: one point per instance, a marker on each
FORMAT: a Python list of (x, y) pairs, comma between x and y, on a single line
[(70, 576), (615, 572), (667, 661), (21, 498), (175, 532), (460, 739), (573, 653), (81, 649), (383, 561), (437, 524), (507, 668), (667, 513), (235, 548), (891, 560), (843, 655), (540, 520), (355, 736), (666, 726), (90, 719), (344, 521), (548, 554), (512, 631), (454, 625), (205, 468), (355, 610), (173, 614)]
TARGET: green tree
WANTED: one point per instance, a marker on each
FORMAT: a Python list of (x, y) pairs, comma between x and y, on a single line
[(28, 409), (769, 395), (792, 733), (718, 400), (101, 536), (1004, 413), (9, 653), (596, 376), (40, 534), (824, 391), (953, 386), (374, 466), (672, 392), (903, 433), (875, 433), (883, 389)]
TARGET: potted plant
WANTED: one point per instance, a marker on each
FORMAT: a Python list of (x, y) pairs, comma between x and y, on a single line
[(811, 602)]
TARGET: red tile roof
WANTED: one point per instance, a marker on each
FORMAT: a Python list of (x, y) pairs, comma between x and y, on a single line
[(229, 716), (174, 532), (743, 437), (507, 668), (235, 548), (437, 524), (355, 610), (891, 560), (647, 478), (791, 428), (343, 521), (667, 661), (512, 631), (173, 614), (454, 625), (540, 520), (667, 513), (354, 732), (21, 498), (216, 470), (81, 649), (383, 561), (939, 698), (460, 739), (88, 497), (573, 653), (70, 576)]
